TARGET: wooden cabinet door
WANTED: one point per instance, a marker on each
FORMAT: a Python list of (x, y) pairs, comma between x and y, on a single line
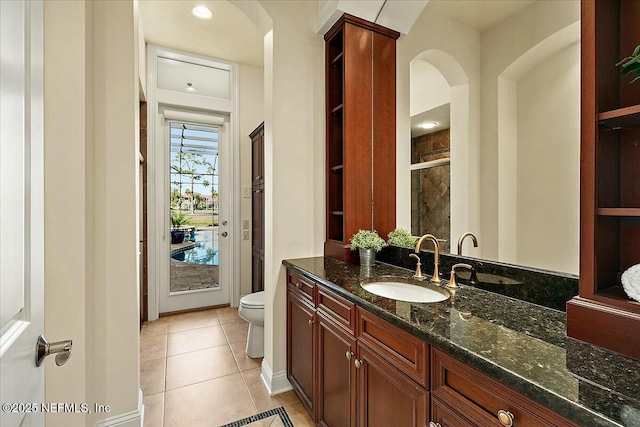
[(301, 348), (386, 397), (257, 208), (336, 375)]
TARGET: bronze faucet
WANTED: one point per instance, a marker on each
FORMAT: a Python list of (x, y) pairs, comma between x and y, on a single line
[(461, 239), (436, 257)]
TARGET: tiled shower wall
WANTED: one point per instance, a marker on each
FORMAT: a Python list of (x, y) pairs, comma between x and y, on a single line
[(430, 188)]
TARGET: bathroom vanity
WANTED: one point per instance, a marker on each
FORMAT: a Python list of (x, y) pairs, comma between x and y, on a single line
[(476, 359)]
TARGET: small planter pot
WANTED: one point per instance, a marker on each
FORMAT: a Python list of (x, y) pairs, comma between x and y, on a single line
[(367, 257), (177, 237)]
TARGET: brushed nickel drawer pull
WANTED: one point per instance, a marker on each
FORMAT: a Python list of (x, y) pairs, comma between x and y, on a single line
[(298, 285), (505, 418)]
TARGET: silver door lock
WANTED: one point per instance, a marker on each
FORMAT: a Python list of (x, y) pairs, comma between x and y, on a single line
[(62, 350)]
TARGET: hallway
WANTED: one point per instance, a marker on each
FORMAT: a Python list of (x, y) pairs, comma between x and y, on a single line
[(194, 372)]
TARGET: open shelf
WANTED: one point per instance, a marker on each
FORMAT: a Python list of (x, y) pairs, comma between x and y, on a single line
[(337, 61), (632, 212), (621, 118)]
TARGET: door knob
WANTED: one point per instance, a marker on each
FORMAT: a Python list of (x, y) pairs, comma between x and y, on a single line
[(349, 354), (62, 350), (358, 363), (224, 234), (224, 222)]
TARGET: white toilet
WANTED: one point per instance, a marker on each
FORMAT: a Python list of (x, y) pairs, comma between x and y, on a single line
[(252, 310)]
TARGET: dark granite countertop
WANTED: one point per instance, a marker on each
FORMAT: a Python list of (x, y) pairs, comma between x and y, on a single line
[(521, 344)]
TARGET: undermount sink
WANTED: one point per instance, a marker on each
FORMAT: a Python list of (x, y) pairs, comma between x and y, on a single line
[(400, 289)]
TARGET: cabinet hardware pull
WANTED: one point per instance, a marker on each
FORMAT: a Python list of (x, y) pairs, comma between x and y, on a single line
[(298, 285), (505, 418), (432, 424), (358, 363), (310, 322), (349, 354)]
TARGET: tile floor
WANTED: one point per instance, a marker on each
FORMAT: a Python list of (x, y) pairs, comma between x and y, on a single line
[(194, 372)]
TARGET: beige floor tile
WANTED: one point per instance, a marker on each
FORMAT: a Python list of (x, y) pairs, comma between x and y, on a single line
[(198, 366), (228, 315), (244, 362), (152, 347), (154, 410), (236, 332), (152, 375), (210, 403), (196, 319), (157, 327), (258, 391), (195, 339), (299, 415)]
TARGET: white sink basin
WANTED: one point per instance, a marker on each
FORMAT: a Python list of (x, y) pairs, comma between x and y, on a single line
[(402, 291)]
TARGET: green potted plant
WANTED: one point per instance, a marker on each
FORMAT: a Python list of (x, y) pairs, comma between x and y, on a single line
[(631, 64), (177, 221), (401, 237), (368, 243)]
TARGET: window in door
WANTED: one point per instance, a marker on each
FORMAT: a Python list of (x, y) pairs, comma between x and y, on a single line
[(194, 207)]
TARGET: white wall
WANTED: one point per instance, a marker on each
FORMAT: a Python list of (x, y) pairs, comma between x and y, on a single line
[(429, 88), (91, 143), (548, 163), (251, 115), (67, 245), (294, 161)]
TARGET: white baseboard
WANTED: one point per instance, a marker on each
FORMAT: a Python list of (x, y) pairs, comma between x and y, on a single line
[(128, 419), (275, 383)]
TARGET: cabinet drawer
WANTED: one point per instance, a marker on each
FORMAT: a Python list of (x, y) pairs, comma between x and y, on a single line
[(337, 308), (406, 352), (443, 416), (301, 286), (481, 398)]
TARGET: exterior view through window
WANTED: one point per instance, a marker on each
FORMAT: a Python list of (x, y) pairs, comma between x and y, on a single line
[(194, 207)]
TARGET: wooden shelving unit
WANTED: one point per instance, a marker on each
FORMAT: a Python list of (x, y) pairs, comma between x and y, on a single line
[(360, 118), (610, 185)]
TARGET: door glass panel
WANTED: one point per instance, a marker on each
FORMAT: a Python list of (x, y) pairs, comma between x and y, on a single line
[(194, 206)]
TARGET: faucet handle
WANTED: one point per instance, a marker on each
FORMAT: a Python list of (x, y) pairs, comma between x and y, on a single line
[(452, 280), (418, 275)]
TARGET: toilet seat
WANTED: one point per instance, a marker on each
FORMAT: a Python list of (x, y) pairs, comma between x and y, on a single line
[(255, 300)]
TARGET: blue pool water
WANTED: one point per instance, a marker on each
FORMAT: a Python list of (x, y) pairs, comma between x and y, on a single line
[(205, 251)]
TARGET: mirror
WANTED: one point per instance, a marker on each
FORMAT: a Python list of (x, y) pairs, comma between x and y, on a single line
[(505, 75)]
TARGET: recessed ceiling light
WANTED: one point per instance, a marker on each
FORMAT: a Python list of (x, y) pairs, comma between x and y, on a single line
[(202, 12), (190, 88), (428, 125)]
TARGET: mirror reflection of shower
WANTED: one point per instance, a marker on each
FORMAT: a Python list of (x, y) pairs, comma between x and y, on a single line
[(194, 209), (430, 152)]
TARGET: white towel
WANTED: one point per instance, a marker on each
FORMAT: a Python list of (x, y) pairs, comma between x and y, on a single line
[(631, 282)]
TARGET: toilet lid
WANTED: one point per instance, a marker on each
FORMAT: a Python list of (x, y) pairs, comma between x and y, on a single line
[(253, 300)]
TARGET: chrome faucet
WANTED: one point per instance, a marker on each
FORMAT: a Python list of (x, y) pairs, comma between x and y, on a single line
[(436, 256), (464, 236)]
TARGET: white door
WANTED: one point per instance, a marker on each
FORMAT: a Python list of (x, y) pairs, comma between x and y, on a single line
[(21, 212), (196, 207)]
